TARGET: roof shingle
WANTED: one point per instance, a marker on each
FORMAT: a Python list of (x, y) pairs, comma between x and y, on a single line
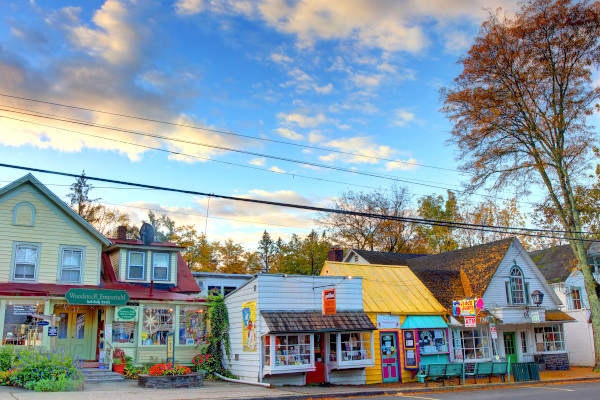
[(313, 321)]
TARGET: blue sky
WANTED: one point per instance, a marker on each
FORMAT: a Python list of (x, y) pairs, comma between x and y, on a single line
[(353, 76)]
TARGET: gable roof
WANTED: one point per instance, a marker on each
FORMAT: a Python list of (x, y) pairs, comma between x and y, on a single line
[(388, 288), (443, 284), (30, 179), (479, 263), (555, 263), (384, 258)]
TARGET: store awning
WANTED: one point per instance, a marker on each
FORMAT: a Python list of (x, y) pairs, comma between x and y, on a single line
[(558, 316), (423, 321), (309, 321)]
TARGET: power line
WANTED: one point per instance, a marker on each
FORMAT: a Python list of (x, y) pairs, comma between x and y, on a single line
[(227, 133), (447, 224)]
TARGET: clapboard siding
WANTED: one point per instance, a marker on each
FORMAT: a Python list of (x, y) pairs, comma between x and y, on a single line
[(495, 294), (52, 228), (246, 367), (347, 376), (204, 282)]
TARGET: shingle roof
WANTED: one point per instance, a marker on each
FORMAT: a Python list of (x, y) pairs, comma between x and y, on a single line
[(312, 321), (386, 258), (557, 315), (555, 263), (444, 285), (479, 263)]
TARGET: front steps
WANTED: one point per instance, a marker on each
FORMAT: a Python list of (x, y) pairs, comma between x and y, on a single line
[(94, 374)]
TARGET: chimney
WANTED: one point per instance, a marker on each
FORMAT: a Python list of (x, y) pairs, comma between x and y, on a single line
[(335, 254), (122, 232)]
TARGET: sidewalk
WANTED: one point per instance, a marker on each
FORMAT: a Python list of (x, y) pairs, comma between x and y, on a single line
[(128, 390)]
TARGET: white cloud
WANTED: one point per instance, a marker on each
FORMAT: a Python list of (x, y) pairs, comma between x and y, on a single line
[(360, 145), (281, 58), (403, 117), (189, 7), (277, 169), (456, 42), (304, 121), (366, 80), (304, 82), (315, 137), (401, 165), (289, 134), (260, 162)]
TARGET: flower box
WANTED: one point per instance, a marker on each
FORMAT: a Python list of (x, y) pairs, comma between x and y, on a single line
[(193, 380)]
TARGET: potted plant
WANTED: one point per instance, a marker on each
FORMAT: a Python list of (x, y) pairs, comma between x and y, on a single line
[(118, 362)]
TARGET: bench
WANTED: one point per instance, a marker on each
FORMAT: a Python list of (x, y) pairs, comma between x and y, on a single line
[(440, 371), (488, 369)]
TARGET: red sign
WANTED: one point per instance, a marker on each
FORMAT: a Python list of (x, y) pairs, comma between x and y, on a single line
[(470, 322), (494, 333), (329, 302)]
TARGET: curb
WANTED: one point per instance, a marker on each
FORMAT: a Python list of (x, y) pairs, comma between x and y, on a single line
[(400, 392)]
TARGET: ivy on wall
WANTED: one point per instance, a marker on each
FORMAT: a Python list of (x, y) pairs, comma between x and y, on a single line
[(218, 337)]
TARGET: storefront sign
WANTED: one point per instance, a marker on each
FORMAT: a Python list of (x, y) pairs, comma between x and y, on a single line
[(470, 322), (98, 297), (493, 332), (43, 323), (466, 307), (249, 326), (126, 313), (53, 331), (535, 317), (329, 302), (386, 321)]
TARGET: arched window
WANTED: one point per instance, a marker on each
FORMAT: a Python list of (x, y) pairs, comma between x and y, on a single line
[(24, 214), (517, 286)]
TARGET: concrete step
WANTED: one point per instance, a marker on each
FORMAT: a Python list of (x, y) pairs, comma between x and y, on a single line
[(101, 375)]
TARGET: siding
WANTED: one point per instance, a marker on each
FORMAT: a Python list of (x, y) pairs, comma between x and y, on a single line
[(580, 339), (205, 282), (347, 376), (52, 228), (114, 260)]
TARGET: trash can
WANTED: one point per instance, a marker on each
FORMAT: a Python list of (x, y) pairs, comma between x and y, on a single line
[(534, 371), (520, 372)]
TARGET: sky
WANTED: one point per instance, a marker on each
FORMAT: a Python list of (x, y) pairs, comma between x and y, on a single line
[(315, 97)]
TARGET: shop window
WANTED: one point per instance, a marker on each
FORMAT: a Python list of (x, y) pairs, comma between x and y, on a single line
[(432, 341), (26, 260), (517, 287), (135, 265), (288, 353), (157, 322), (123, 332), (523, 342), (160, 266), (24, 214), (549, 338), (192, 327), (351, 349), (576, 303), (71, 261), (471, 344), (19, 327)]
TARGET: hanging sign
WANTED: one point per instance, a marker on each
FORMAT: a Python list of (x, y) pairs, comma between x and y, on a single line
[(98, 297), (466, 307), (126, 313), (470, 322), (535, 317), (493, 332), (329, 302), (386, 321), (249, 326), (43, 322)]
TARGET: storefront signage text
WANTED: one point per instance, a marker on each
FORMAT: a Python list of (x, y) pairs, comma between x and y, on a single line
[(126, 313), (494, 333), (535, 317), (470, 322), (386, 321), (466, 307), (100, 297), (329, 302)]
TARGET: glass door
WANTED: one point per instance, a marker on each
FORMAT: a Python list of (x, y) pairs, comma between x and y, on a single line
[(75, 332), (510, 348)]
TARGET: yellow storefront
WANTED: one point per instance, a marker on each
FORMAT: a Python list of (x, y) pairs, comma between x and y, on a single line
[(390, 295)]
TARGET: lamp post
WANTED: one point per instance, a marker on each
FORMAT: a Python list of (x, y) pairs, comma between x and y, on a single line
[(537, 297)]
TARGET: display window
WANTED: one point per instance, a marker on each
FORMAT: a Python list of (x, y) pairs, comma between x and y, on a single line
[(19, 327), (192, 326), (122, 331), (549, 338), (432, 341), (288, 352), (471, 344), (351, 349), (157, 323)]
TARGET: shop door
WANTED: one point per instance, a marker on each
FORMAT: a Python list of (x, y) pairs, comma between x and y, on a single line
[(510, 348), (75, 332), (389, 356), (318, 375)]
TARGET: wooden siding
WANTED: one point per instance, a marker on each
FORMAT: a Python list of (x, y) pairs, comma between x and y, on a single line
[(52, 228), (114, 260), (347, 376), (206, 281)]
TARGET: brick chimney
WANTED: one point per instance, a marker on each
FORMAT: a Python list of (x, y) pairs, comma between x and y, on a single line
[(122, 232), (335, 254)]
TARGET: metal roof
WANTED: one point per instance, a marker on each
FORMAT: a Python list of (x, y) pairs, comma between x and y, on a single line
[(389, 288)]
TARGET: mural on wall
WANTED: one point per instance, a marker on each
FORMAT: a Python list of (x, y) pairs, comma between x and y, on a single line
[(249, 326)]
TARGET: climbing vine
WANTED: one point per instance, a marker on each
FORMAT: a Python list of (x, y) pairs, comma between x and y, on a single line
[(218, 337)]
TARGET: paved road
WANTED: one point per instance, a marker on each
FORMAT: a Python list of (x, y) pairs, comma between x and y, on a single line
[(574, 391)]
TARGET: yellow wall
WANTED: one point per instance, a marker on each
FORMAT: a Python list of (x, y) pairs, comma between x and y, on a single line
[(51, 229)]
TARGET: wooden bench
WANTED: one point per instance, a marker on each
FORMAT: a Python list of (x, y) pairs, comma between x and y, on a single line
[(488, 369), (440, 371)]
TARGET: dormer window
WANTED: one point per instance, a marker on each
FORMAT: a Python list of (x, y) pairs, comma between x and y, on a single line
[(517, 290), (135, 265), (160, 266), (24, 214)]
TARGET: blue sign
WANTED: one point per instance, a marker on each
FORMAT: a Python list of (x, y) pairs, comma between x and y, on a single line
[(53, 331), (43, 323)]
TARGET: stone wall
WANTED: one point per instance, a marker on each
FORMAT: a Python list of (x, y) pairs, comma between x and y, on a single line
[(192, 380), (553, 362)]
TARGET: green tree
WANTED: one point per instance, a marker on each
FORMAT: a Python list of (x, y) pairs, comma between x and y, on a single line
[(266, 252), (231, 257), (439, 239), (520, 109), (80, 201), (164, 227), (200, 254)]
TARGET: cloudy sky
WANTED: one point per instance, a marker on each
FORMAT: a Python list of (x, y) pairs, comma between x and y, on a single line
[(315, 97)]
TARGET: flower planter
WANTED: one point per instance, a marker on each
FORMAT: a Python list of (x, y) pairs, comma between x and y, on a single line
[(193, 380), (120, 368)]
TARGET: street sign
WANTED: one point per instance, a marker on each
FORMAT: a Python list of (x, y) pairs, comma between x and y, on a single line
[(494, 333), (43, 322), (53, 331), (99, 297), (470, 322)]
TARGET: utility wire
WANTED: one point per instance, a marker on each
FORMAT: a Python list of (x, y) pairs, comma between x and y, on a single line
[(447, 224)]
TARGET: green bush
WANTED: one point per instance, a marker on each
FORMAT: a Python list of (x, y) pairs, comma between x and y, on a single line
[(61, 384), (132, 372), (31, 366), (7, 357)]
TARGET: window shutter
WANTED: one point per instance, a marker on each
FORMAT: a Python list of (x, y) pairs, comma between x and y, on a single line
[(508, 297), (527, 301)]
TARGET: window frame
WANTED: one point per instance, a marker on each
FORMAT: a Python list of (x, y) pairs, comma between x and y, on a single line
[(514, 279), (16, 209), (143, 265), (575, 289), (339, 362), (271, 368), (61, 250), (13, 262), (202, 321), (154, 254), (172, 312), (553, 330), (484, 335)]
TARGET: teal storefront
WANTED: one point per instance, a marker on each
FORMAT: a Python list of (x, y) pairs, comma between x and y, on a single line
[(425, 341)]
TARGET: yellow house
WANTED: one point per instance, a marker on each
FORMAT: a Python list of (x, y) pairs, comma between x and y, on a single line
[(410, 322), (64, 283)]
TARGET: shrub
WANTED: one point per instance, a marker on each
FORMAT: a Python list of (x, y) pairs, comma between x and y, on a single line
[(168, 369), (7, 357), (131, 372), (31, 366), (5, 377), (202, 362), (61, 384)]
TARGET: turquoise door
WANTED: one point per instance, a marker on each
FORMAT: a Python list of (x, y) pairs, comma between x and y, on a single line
[(389, 356)]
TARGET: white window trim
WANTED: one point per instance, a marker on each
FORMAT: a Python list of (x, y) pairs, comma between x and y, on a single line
[(168, 266), (482, 330), (143, 253), (61, 251), (341, 364), (15, 210), (275, 369), (564, 342), (14, 260)]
